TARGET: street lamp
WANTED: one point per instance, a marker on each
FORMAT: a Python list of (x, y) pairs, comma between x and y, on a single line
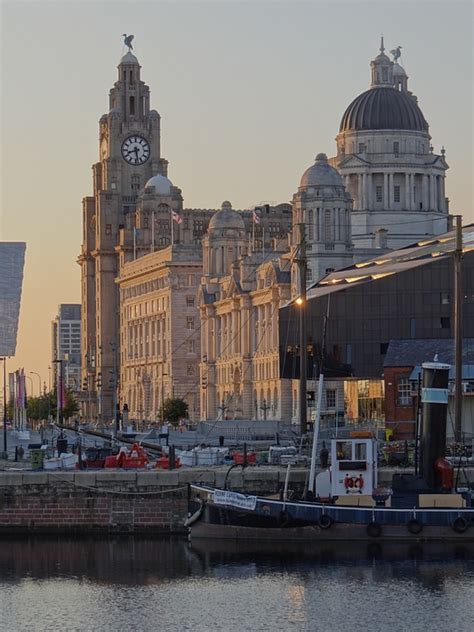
[(39, 381)]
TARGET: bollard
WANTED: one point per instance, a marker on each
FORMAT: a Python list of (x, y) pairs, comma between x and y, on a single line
[(245, 463)]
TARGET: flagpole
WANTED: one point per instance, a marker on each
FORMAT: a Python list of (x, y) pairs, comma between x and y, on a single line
[(153, 231), (134, 243), (172, 227), (263, 243)]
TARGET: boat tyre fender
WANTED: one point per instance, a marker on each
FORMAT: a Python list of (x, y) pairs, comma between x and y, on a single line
[(414, 526), (460, 525), (325, 521), (284, 518), (374, 529), (190, 520)]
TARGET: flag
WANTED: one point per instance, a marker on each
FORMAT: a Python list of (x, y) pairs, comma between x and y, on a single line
[(255, 216), (176, 217)]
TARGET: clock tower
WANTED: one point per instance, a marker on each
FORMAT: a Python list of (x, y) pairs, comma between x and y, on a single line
[(129, 155)]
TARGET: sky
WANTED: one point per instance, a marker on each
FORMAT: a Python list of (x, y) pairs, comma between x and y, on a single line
[(248, 92)]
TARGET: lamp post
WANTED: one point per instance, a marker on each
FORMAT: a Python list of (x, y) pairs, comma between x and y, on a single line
[(163, 395), (31, 383), (59, 391), (39, 381), (4, 405)]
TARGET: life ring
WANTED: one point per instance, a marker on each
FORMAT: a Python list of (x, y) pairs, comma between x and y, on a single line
[(460, 525), (325, 521), (374, 529), (348, 482), (414, 526), (190, 520)]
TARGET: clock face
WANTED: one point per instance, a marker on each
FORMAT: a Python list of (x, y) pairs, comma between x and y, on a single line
[(135, 150)]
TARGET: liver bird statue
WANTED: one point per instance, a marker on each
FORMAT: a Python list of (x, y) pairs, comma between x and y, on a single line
[(396, 53), (127, 40)]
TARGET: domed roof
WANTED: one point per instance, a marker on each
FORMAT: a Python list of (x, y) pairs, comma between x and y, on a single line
[(160, 183), (129, 58), (321, 174), (399, 70), (226, 218), (383, 108)]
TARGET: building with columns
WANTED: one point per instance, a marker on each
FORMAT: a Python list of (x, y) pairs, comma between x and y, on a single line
[(384, 189), (388, 164), (160, 330), (240, 296)]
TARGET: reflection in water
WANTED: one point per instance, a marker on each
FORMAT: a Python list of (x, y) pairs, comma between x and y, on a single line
[(149, 584)]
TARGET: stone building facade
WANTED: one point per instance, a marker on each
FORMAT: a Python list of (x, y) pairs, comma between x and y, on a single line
[(388, 164), (384, 189), (239, 298), (160, 330), (128, 216)]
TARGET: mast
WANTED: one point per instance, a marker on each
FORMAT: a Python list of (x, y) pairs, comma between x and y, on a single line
[(458, 331), (302, 304)]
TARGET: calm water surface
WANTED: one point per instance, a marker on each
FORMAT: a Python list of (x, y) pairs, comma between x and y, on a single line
[(122, 585)]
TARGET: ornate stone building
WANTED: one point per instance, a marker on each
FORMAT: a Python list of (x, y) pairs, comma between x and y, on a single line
[(130, 215), (239, 299), (387, 162), (160, 330), (383, 189)]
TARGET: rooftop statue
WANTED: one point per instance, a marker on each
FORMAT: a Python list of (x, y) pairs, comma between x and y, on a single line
[(127, 40), (396, 53)]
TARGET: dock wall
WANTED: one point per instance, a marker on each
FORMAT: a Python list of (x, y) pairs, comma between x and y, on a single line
[(119, 501)]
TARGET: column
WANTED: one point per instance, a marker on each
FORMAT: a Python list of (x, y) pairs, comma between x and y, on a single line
[(370, 192), (407, 191), (360, 203), (412, 191), (439, 193), (391, 179), (432, 192), (386, 203), (364, 191), (424, 192), (441, 200)]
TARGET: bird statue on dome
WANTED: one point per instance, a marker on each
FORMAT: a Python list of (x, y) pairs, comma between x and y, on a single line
[(396, 53), (127, 40)]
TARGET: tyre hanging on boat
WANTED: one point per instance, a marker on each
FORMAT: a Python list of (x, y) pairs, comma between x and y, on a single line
[(414, 526), (460, 525), (374, 529), (325, 521)]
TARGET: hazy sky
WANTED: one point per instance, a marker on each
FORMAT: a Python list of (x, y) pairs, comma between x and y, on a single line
[(249, 93)]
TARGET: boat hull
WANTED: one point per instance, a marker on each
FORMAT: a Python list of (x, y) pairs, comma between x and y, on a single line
[(292, 521)]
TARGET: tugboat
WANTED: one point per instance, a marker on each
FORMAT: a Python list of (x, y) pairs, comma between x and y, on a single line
[(345, 502)]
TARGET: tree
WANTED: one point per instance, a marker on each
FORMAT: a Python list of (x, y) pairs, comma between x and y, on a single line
[(174, 410), (39, 408)]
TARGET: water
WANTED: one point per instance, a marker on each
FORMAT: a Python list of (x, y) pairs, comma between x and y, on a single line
[(124, 584)]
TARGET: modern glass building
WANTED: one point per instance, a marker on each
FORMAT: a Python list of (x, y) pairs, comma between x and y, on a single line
[(12, 261)]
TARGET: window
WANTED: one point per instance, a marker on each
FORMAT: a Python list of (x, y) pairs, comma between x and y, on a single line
[(396, 193), (330, 398), (445, 322), (361, 148), (384, 73), (404, 392), (396, 147), (191, 346), (190, 322), (190, 369), (132, 106), (329, 270), (383, 348), (360, 452), (135, 183), (378, 193), (189, 301), (445, 298), (343, 451)]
